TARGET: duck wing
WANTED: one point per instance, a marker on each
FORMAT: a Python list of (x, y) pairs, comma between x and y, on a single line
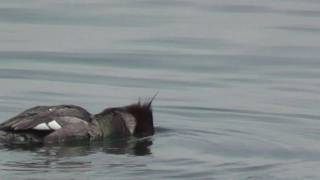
[(46, 118)]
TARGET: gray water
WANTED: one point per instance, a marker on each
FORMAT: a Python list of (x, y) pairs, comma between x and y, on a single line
[(238, 85)]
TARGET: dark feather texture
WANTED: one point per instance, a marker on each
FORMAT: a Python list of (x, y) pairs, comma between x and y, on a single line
[(143, 114), (141, 111)]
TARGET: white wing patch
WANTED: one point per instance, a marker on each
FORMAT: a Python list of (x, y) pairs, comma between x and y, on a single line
[(42, 126), (52, 125)]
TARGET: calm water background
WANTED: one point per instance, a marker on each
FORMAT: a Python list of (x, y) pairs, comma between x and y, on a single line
[(238, 85)]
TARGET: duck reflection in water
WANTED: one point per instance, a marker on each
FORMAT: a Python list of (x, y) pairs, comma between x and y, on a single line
[(131, 146), (48, 157)]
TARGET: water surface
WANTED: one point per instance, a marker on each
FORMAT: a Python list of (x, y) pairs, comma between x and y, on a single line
[(238, 85)]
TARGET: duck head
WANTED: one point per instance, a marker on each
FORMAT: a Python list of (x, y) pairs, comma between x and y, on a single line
[(135, 119)]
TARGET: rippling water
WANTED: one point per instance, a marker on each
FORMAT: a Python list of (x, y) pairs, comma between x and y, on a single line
[(238, 85)]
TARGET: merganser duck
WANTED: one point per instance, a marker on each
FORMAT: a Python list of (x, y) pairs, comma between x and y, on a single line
[(64, 123)]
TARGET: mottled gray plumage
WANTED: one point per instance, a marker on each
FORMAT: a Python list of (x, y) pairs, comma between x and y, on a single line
[(62, 123), (44, 114)]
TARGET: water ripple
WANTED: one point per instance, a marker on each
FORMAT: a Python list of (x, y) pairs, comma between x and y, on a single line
[(196, 109)]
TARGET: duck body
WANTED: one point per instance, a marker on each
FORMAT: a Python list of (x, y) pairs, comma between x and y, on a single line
[(64, 123)]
